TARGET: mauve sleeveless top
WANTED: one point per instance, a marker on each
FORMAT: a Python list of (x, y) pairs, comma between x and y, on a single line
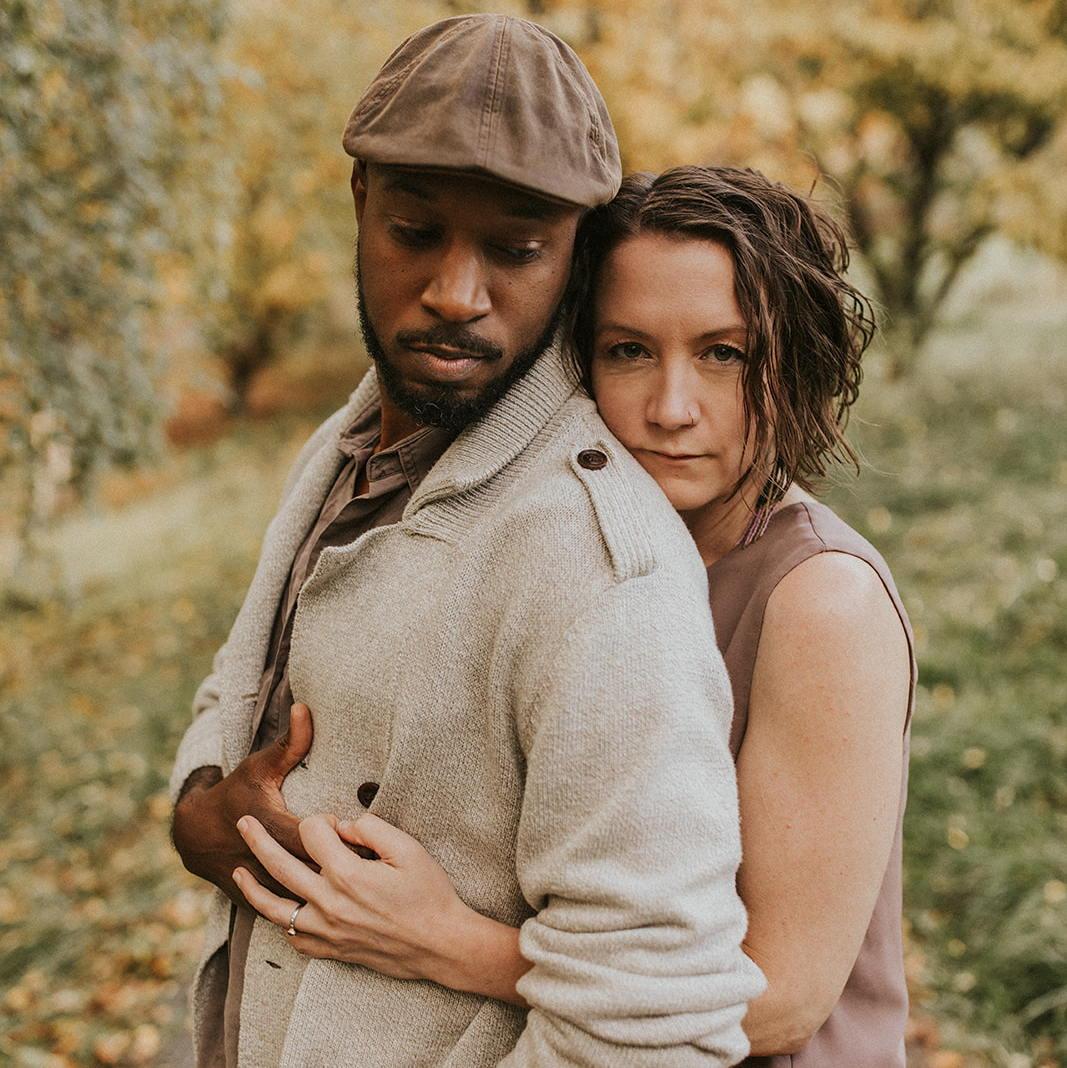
[(866, 1027)]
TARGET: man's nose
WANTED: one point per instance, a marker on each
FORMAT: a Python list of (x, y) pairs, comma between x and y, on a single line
[(458, 293), (674, 402)]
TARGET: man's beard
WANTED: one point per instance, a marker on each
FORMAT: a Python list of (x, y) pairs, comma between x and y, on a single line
[(440, 405)]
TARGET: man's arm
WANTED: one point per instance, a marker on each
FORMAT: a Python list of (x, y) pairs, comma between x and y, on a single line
[(207, 805), (203, 798), (629, 843)]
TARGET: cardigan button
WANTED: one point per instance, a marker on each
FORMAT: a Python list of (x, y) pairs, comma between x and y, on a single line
[(367, 793), (592, 459)]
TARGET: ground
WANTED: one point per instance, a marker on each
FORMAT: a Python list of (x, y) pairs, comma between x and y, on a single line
[(965, 492)]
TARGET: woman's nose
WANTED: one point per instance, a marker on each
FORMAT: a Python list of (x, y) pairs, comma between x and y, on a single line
[(457, 292), (674, 404)]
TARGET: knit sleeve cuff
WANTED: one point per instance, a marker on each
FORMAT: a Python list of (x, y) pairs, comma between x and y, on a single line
[(200, 748)]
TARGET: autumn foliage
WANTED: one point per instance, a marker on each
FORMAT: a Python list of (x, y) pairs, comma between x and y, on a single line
[(176, 227)]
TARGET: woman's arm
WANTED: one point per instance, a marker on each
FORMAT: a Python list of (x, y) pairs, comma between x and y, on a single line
[(819, 780), (399, 915)]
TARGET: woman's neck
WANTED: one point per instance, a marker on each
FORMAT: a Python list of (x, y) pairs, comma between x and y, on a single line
[(720, 525)]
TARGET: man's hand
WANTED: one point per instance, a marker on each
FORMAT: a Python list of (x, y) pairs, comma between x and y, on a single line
[(205, 818)]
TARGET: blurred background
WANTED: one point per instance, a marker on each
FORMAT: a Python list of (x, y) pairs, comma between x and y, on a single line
[(176, 314)]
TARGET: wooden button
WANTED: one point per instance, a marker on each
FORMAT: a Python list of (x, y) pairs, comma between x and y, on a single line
[(366, 793), (592, 459)]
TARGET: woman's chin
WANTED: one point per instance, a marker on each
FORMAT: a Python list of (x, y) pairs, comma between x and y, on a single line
[(685, 496)]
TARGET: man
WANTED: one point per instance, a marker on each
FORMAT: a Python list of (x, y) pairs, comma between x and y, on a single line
[(502, 630)]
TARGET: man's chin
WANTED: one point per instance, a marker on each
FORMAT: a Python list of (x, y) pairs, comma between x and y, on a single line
[(438, 404)]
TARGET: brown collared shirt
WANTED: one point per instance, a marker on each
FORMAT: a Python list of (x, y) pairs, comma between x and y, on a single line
[(393, 476)]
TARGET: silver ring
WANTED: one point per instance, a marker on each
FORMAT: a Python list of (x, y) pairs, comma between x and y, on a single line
[(292, 921)]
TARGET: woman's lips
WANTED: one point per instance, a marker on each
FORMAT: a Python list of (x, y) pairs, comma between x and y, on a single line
[(673, 457)]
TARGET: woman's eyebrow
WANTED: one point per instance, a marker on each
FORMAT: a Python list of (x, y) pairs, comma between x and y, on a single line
[(709, 335), (723, 331), (621, 328)]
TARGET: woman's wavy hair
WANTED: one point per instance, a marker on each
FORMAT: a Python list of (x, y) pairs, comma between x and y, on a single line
[(807, 326)]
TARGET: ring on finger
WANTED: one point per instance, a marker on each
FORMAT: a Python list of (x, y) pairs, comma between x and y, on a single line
[(292, 920)]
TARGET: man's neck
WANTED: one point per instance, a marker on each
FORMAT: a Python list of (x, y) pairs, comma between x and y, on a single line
[(396, 425)]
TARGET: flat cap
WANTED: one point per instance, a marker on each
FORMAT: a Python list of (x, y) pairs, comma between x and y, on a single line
[(496, 96)]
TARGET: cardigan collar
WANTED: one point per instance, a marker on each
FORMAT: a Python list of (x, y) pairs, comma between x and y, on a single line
[(490, 443)]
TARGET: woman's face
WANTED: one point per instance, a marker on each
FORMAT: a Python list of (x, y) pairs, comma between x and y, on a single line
[(669, 346)]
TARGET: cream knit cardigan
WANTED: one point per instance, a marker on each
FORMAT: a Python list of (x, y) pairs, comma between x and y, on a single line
[(560, 747)]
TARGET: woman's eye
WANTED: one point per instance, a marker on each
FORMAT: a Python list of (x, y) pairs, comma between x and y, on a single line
[(723, 353), (626, 350)]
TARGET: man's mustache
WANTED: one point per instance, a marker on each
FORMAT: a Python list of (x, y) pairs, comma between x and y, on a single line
[(453, 337)]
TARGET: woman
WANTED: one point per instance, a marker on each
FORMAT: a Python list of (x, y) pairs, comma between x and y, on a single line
[(722, 347)]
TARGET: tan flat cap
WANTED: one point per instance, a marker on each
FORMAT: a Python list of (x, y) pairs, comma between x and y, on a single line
[(497, 96)]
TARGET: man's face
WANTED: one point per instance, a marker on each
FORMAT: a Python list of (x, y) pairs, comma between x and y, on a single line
[(460, 281)]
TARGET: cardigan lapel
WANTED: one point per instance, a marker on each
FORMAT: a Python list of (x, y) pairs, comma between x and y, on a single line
[(246, 647)]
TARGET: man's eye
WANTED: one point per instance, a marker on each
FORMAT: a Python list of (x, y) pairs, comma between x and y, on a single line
[(626, 350), (519, 253), (413, 236)]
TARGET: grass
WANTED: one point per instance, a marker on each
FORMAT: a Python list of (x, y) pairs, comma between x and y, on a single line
[(967, 497), (99, 924), (964, 493)]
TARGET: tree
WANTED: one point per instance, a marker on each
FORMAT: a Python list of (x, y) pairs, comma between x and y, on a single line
[(938, 122), (98, 101), (945, 126), (293, 74)]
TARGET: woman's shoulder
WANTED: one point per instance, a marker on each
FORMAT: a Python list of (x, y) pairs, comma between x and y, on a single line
[(835, 620), (822, 563), (798, 531), (839, 595), (833, 534)]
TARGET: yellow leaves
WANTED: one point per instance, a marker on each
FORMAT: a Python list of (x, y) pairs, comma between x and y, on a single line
[(112, 1047), (183, 610), (290, 287), (275, 225), (146, 1044), (957, 838), (1055, 892), (766, 101), (947, 1058), (823, 108), (880, 140), (82, 705), (879, 519), (18, 999), (185, 910), (1046, 569), (51, 86), (12, 910), (943, 696)]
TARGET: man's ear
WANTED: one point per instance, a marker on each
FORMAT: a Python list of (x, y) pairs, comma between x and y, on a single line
[(359, 187)]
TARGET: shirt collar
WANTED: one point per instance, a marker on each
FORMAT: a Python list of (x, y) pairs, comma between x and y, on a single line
[(414, 456)]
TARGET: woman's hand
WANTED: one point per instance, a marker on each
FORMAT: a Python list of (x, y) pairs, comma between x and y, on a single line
[(399, 915)]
